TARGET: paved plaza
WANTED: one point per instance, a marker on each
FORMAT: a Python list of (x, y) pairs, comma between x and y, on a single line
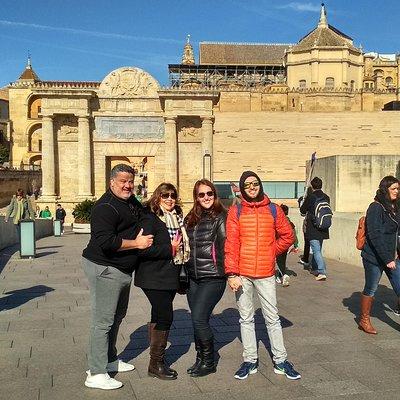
[(44, 321)]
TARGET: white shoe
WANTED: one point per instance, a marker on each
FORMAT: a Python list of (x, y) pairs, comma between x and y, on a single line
[(119, 366), (101, 381), (320, 277), (277, 279), (285, 280)]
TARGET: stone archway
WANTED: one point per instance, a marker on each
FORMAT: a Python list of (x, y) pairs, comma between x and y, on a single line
[(35, 138)]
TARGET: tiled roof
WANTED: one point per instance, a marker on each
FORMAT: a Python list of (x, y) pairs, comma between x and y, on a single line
[(30, 74), (324, 36), (242, 53)]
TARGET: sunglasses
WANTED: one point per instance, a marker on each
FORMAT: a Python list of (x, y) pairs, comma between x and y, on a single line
[(250, 184), (172, 195), (201, 194)]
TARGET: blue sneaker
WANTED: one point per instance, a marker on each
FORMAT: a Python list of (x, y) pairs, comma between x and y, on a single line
[(246, 369), (286, 368)]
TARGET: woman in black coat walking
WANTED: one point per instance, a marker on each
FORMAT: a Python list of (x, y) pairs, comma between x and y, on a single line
[(158, 270), (206, 230), (381, 250)]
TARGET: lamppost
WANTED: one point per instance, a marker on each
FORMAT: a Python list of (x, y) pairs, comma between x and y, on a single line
[(207, 165)]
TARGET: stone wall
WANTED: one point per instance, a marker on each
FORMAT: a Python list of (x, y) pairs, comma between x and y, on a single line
[(11, 180), (277, 144)]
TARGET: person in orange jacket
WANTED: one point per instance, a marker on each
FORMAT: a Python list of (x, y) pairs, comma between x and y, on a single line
[(256, 232)]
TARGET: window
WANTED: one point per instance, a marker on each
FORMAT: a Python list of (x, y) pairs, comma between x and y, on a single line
[(352, 85), (389, 81), (224, 190), (330, 83), (302, 83)]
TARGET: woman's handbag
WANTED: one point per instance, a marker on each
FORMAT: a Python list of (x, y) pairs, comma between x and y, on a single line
[(183, 280)]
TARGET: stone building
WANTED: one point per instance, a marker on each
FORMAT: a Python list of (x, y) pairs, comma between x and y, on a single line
[(265, 107)]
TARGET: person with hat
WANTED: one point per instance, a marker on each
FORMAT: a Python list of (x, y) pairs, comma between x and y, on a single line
[(256, 232)]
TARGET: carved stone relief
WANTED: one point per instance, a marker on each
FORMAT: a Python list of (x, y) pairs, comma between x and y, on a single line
[(128, 82), (189, 129), (66, 127)]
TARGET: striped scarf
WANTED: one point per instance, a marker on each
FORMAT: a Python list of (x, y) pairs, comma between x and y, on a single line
[(174, 223)]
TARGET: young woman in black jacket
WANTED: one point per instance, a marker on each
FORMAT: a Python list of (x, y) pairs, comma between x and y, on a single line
[(158, 270), (205, 224), (381, 250)]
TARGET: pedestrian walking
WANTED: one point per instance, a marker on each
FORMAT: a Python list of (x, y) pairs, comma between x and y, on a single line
[(318, 220), (61, 214), (19, 208), (108, 261), (205, 224), (381, 249), (257, 231), (304, 258), (159, 268), (282, 276)]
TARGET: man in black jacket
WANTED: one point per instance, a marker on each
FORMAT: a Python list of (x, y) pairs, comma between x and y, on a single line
[(315, 235), (109, 260)]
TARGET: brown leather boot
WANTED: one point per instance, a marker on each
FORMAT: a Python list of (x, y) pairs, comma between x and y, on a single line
[(365, 322), (157, 366)]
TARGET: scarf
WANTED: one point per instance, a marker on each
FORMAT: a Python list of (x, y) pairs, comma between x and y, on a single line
[(174, 223)]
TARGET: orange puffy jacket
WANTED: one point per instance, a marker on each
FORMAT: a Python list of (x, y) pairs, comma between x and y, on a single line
[(255, 239)]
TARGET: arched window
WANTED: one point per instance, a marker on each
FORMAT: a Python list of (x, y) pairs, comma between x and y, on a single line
[(330, 83), (302, 83), (389, 81)]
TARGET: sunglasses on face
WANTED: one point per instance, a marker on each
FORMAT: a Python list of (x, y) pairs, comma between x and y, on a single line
[(250, 184), (202, 194), (172, 195)]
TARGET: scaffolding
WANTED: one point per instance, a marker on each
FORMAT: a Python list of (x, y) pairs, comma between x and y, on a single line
[(220, 76)]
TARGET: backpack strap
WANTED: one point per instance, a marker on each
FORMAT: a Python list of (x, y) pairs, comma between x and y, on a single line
[(272, 207)]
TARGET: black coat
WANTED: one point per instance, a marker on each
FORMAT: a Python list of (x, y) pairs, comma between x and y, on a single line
[(156, 269), (308, 208), (207, 242), (382, 229)]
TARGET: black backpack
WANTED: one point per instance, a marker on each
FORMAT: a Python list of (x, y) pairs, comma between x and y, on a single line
[(322, 218)]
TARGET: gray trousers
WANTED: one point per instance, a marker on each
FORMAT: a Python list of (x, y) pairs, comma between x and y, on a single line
[(109, 296), (266, 291)]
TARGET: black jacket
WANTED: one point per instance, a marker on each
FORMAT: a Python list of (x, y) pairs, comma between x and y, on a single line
[(308, 208), (113, 219), (382, 229), (60, 214), (156, 269), (207, 242)]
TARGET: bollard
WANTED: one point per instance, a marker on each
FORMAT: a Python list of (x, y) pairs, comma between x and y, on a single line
[(27, 242), (57, 227)]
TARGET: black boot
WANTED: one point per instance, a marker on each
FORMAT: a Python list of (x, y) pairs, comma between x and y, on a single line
[(206, 365), (157, 366), (198, 355)]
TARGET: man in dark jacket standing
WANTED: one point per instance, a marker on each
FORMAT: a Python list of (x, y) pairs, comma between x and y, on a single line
[(109, 260), (315, 235)]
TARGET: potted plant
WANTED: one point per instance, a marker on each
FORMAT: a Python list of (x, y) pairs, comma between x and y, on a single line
[(81, 213)]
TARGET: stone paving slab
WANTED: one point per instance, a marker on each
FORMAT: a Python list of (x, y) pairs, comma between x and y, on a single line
[(44, 323)]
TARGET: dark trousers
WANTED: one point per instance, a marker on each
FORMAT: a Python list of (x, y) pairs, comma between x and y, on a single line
[(162, 312), (203, 295), (306, 252), (281, 262)]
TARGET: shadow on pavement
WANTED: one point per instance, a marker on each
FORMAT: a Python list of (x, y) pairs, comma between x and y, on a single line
[(6, 254), (225, 326), (383, 296), (18, 297)]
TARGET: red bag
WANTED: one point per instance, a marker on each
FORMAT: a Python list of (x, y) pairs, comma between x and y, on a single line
[(360, 234)]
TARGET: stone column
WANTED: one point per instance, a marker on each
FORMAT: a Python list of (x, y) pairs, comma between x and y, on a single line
[(207, 147), (48, 159), (171, 151), (84, 158)]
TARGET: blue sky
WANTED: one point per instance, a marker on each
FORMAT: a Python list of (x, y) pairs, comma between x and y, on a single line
[(86, 39)]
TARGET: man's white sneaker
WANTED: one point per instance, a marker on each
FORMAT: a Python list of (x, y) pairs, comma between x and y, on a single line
[(101, 381), (320, 277), (285, 280), (119, 366)]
